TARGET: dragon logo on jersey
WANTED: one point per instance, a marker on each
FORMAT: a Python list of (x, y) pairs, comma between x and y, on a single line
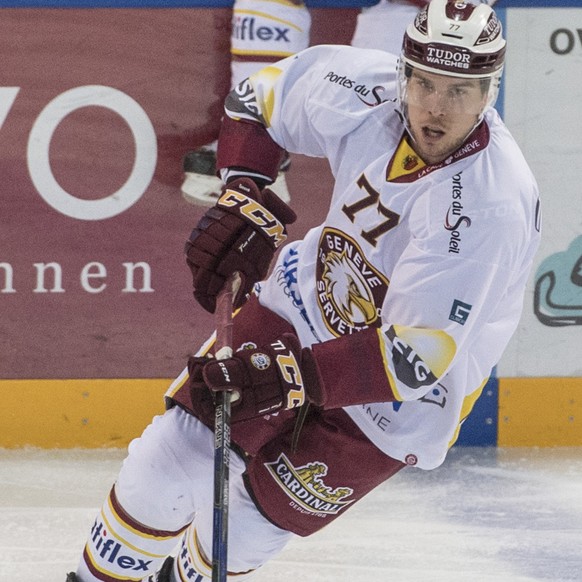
[(350, 291), (305, 487)]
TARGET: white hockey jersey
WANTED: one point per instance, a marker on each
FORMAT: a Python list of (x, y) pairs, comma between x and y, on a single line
[(435, 257)]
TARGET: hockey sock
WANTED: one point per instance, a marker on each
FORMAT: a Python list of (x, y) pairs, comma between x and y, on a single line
[(119, 548), (193, 565)]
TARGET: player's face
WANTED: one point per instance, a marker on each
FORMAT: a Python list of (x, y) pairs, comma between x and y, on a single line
[(442, 111)]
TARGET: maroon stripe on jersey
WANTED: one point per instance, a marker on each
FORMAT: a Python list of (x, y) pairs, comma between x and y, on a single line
[(140, 527), (248, 145)]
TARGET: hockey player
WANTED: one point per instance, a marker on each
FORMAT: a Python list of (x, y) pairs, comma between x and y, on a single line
[(263, 32), (378, 330)]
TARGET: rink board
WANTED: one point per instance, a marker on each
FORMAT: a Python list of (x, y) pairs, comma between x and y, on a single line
[(78, 413), (97, 315), (540, 412)]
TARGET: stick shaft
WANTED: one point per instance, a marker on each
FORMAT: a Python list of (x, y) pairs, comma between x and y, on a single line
[(223, 350)]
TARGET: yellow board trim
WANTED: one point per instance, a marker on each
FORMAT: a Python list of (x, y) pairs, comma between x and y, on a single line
[(96, 413), (260, 53), (88, 413), (540, 412)]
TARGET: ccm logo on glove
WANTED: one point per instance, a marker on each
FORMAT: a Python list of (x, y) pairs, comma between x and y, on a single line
[(288, 370), (225, 372), (240, 234), (291, 374), (255, 213)]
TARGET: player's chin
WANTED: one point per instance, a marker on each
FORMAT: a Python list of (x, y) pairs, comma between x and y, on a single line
[(433, 153)]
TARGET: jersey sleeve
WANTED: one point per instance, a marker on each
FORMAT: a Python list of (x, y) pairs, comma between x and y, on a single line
[(303, 104), (426, 328)]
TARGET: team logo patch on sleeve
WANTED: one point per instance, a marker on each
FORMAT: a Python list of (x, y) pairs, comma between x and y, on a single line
[(306, 489)]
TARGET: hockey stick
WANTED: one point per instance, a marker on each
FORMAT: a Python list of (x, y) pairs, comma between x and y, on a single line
[(223, 350)]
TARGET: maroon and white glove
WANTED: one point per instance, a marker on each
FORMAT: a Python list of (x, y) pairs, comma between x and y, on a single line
[(240, 233), (263, 380)]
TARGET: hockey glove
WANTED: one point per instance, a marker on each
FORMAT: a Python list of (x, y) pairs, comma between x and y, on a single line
[(240, 233), (263, 380)]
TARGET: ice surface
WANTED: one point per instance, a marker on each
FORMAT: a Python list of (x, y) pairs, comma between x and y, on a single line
[(503, 515)]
